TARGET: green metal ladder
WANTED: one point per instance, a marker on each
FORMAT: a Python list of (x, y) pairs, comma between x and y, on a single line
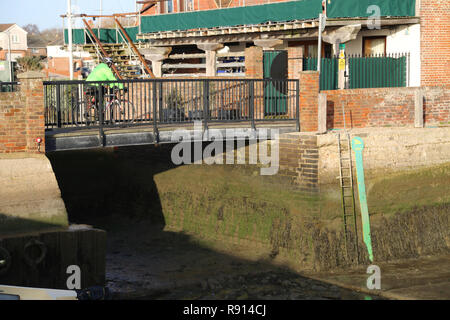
[(347, 190)]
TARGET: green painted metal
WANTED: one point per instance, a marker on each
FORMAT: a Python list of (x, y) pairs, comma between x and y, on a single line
[(106, 35), (364, 72), (358, 147), (377, 72), (248, 15), (329, 71), (275, 95)]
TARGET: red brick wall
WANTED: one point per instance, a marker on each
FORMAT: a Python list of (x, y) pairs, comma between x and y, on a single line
[(22, 118), (386, 107), (254, 63), (12, 123), (295, 62), (211, 4), (435, 42), (60, 66), (309, 90), (4, 53)]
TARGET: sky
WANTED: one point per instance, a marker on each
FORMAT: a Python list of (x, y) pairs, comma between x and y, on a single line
[(46, 13)]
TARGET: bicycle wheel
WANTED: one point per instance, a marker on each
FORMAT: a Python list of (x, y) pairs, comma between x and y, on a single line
[(84, 114), (122, 112)]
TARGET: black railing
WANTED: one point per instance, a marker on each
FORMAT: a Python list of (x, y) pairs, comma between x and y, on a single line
[(9, 86), (124, 103)]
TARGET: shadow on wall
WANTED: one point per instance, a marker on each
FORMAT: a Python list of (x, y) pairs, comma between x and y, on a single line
[(107, 182), (335, 116), (103, 183)]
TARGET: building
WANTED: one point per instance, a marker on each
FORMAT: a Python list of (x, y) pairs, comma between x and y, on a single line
[(209, 38), (12, 39), (57, 63), (37, 52)]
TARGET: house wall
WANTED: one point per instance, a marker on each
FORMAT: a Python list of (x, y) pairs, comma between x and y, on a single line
[(37, 52), (56, 52), (60, 66), (208, 5), (22, 43), (4, 54), (435, 42), (400, 39)]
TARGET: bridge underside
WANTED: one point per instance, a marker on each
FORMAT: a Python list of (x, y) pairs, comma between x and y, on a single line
[(88, 138)]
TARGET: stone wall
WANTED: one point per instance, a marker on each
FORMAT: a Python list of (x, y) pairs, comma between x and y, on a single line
[(387, 150), (311, 159)]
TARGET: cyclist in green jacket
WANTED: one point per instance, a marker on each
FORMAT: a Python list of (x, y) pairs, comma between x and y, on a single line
[(103, 72)]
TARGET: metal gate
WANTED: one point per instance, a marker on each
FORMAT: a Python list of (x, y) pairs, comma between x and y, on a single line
[(275, 64)]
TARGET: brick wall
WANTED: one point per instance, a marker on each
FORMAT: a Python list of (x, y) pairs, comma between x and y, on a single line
[(60, 66), (209, 4), (299, 160), (309, 90), (22, 116), (435, 42), (386, 107), (12, 123), (295, 62), (254, 62)]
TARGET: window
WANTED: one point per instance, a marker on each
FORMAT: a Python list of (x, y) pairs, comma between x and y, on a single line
[(169, 6), (189, 5), (14, 38), (374, 46), (310, 48)]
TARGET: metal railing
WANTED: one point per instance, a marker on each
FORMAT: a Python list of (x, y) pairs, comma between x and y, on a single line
[(9, 86), (156, 102)]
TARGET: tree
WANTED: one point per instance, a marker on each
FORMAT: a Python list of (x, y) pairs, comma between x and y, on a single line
[(25, 64), (32, 29)]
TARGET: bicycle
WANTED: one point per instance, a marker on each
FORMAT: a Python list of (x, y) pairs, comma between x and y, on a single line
[(116, 111)]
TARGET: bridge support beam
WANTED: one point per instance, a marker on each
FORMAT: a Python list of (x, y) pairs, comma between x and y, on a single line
[(211, 57), (268, 44), (156, 55)]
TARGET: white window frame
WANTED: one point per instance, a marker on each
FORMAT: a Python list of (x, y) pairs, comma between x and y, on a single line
[(15, 39)]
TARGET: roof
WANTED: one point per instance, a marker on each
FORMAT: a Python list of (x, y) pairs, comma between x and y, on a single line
[(6, 26)]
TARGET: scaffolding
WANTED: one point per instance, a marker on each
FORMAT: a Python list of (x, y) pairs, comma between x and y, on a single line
[(128, 62)]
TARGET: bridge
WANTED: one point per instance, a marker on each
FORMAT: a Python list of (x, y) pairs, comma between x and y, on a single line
[(81, 115)]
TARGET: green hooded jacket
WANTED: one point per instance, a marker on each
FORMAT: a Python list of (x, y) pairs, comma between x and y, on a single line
[(103, 73)]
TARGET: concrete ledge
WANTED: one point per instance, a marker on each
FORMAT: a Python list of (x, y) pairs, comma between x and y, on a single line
[(387, 149)]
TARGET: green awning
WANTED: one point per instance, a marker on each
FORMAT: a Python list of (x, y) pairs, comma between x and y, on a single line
[(251, 15)]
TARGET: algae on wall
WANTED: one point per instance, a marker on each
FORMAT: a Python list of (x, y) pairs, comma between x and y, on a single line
[(235, 204)]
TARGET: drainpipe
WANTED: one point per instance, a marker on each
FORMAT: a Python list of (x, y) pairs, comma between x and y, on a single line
[(9, 58)]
